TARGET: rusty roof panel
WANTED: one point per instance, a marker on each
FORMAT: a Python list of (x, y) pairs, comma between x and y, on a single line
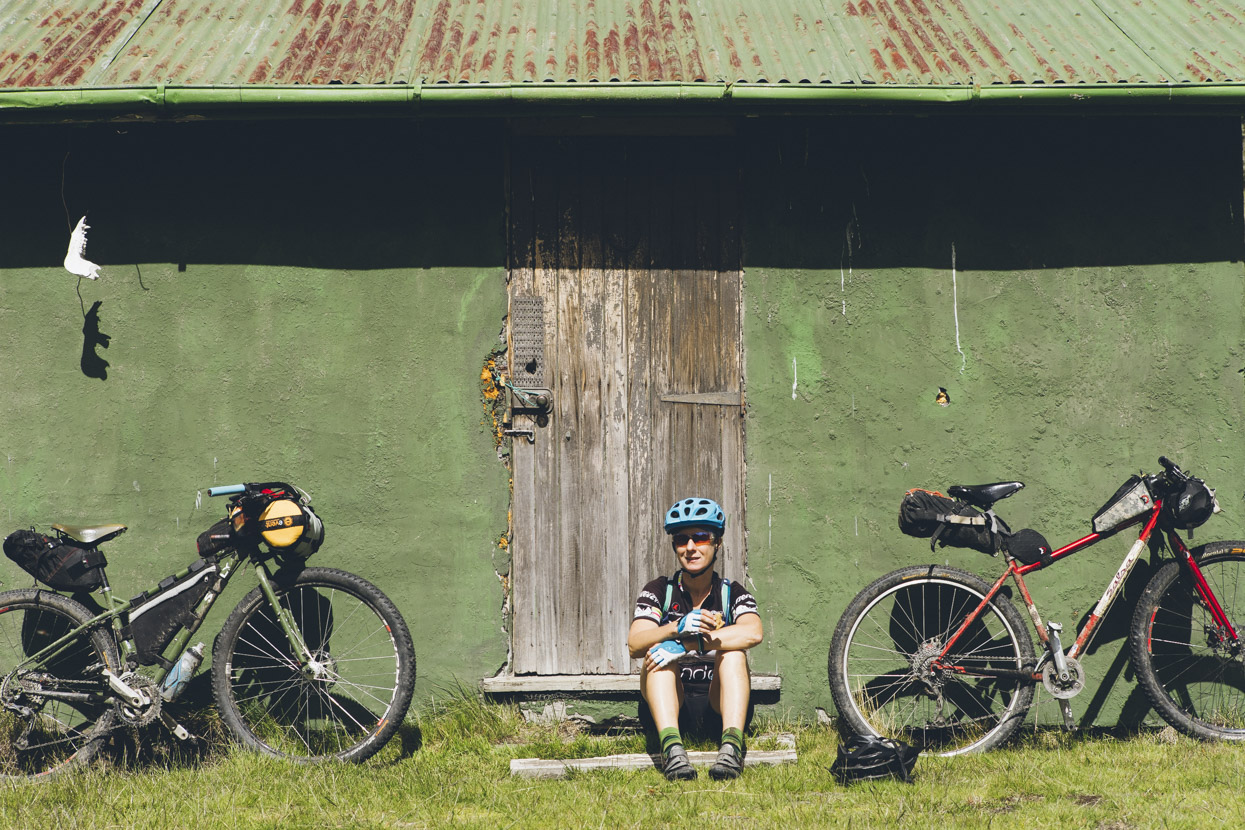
[(60, 45), (71, 43), (1194, 41)]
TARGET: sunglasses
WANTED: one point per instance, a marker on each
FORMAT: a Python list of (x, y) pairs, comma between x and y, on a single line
[(700, 537)]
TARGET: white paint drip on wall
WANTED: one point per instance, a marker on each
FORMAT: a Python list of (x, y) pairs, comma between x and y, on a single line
[(769, 500), (955, 307), (794, 378)]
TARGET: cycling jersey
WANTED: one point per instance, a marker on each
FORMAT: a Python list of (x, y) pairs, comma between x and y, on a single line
[(697, 668)]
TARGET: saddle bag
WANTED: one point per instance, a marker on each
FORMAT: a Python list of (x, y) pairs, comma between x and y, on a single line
[(155, 616), (931, 515), (56, 563), (1133, 499)]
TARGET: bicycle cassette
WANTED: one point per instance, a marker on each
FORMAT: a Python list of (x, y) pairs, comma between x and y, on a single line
[(1062, 688)]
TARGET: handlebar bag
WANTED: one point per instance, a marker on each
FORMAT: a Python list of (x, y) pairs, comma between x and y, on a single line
[(291, 526), (928, 514), (54, 562), (1133, 499)]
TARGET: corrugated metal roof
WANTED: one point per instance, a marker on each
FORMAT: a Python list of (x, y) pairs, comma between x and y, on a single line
[(94, 43)]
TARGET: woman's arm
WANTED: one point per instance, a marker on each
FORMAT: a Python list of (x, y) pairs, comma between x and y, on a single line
[(645, 634), (743, 634)]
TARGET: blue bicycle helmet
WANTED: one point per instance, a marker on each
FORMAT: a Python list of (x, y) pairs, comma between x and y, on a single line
[(695, 513)]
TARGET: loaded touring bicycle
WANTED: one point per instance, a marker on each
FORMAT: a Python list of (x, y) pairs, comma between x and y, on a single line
[(312, 664), (940, 658)]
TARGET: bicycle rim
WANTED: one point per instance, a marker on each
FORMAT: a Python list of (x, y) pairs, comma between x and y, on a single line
[(346, 704), (895, 690), (1195, 676), (41, 733)]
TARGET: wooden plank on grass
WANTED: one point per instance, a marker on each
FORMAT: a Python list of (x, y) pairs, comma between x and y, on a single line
[(544, 768)]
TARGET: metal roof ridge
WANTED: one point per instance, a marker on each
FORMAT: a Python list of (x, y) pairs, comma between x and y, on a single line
[(283, 100)]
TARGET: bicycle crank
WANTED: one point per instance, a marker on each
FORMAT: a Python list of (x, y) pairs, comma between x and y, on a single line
[(1066, 684)]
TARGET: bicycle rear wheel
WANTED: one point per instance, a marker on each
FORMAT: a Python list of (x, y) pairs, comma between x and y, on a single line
[(1193, 672), (882, 656), (352, 697), (54, 715)]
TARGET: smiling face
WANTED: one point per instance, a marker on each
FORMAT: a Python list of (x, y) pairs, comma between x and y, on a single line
[(696, 548)]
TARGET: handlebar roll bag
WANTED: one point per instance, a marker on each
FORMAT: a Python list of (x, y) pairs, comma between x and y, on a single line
[(291, 527)]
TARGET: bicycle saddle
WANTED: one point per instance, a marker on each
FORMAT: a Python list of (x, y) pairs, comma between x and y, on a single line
[(984, 495), (89, 534)]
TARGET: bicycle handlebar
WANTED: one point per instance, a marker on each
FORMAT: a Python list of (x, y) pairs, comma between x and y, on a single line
[(227, 490)]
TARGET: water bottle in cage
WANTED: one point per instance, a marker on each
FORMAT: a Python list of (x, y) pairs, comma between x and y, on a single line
[(179, 676)]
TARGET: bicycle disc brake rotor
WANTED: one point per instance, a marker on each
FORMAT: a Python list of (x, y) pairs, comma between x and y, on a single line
[(1060, 688)]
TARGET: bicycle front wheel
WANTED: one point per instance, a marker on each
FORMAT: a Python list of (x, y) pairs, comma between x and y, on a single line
[(889, 680), (345, 702), (1192, 670), (55, 713)]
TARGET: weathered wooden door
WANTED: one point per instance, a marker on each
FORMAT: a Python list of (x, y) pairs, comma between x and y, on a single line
[(625, 303)]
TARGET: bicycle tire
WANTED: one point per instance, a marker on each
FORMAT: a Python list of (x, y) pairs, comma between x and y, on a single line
[(352, 706), (41, 737), (1194, 679), (880, 654)]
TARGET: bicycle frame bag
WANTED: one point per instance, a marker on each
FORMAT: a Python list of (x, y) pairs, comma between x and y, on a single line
[(930, 515), (1029, 546), (156, 616), (1132, 500), (54, 562)]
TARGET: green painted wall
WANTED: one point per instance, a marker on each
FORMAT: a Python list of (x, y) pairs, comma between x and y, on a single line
[(314, 301), (310, 302), (1075, 285)]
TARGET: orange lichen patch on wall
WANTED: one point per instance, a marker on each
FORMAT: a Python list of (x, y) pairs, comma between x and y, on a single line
[(493, 398)]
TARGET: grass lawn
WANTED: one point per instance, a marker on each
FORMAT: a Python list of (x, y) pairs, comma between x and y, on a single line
[(451, 769)]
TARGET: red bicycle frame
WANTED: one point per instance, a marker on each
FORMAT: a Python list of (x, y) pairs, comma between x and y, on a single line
[(1016, 571)]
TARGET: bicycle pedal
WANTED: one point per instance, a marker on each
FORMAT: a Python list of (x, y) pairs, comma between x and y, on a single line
[(1069, 723)]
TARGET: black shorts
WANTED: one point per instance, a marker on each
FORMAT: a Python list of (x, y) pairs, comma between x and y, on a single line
[(696, 717)]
